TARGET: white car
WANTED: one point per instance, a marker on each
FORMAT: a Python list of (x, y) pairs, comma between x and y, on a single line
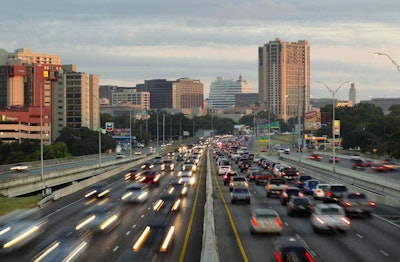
[(120, 155), (19, 167), (238, 181), (329, 217), (187, 177), (223, 169), (265, 220), (277, 169), (136, 193), (318, 192)]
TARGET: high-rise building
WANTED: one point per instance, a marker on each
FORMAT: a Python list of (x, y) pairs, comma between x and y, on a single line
[(223, 91), (130, 96), (187, 93), (284, 77), (160, 92), (352, 95)]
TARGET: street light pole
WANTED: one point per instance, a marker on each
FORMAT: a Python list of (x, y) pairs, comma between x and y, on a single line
[(333, 93), (391, 59), (41, 136), (130, 133)]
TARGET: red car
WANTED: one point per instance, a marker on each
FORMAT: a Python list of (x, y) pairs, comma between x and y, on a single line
[(316, 157), (380, 167), (149, 176), (336, 159), (264, 149)]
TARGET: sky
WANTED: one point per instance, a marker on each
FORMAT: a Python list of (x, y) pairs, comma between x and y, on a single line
[(127, 41)]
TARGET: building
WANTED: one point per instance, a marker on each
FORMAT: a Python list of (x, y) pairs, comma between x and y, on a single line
[(222, 92), (27, 81), (131, 97), (187, 94), (160, 92), (352, 95), (284, 77), (246, 100)]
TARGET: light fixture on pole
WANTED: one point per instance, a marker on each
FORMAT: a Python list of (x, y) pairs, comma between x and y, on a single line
[(333, 93), (391, 59)]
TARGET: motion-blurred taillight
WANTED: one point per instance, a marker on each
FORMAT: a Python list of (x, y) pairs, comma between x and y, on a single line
[(278, 222), (371, 204), (346, 220), (309, 257), (254, 221), (347, 204)]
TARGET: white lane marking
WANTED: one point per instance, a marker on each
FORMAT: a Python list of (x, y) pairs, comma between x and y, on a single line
[(115, 248), (142, 216), (133, 226), (127, 233), (286, 224), (360, 236), (386, 220), (297, 235), (384, 253)]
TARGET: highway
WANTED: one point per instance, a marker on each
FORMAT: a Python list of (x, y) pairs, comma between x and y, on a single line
[(117, 245)]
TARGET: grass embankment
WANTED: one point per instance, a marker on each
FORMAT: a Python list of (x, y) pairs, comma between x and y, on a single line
[(8, 205), (275, 139)]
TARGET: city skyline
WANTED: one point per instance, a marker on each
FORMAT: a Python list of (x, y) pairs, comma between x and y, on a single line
[(127, 42)]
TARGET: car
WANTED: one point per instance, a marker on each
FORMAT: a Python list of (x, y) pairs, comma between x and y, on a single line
[(192, 167), (319, 192), (98, 190), (252, 172), (167, 165), (355, 157), (228, 176), (291, 248), (223, 169), (149, 176), (140, 145), (275, 186), (334, 192), (264, 149), (263, 177), (244, 164), (120, 155), (265, 220), (287, 151), (356, 203), (157, 160), (178, 188), (329, 217), (358, 164), (187, 176), (238, 181), (131, 175), (301, 180), (288, 192), (316, 157), (19, 167), (277, 168), (100, 218), (336, 159), (289, 173), (241, 194), (256, 159), (137, 153), (167, 204), (299, 206), (379, 167), (146, 166), (136, 193), (309, 186)]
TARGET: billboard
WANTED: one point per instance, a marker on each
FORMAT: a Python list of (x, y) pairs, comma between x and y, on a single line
[(312, 120), (109, 126)]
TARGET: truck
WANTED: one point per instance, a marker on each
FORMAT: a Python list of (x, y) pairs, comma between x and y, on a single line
[(275, 186)]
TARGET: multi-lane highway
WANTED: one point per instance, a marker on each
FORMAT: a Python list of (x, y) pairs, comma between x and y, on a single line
[(117, 245)]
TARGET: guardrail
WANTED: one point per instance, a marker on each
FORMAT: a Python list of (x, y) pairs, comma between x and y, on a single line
[(382, 190)]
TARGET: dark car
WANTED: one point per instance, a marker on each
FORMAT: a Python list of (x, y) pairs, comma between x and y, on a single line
[(357, 164), (244, 164), (301, 180), (356, 203), (149, 176), (147, 165), (291, 248), (288, 192), (334, 193), (299, 206), (228, 175)]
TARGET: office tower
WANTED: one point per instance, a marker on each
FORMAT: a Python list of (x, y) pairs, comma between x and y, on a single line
[(160, 92), (187, 93), (223, 91), (284, 77), (352, 95)]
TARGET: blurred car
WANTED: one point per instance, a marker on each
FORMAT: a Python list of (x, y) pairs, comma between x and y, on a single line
[(263, 177), (167, 204), (187, 177), (100, 218), (146, 165), (336, 159), (329, 217), (291, 248), (131, 175), (301, 180), (98, 190), (264, 149), (16, 234), (319, 192), (238, 181), (244, 164), (241, 194), (265, 220), (288, 192), (178, 188), (316, 157), (309, 186), (137, 153), (120, 155), (287, 151), (149, 176), (299, 206), (228, 176), (379, 167), (64, 245), (136, 193), (223, 169), (334, 192), (157, 160), (140, 145), (191, 167), (358, 164), (167, 165), (19, 167), (356, 203), (252, 172)]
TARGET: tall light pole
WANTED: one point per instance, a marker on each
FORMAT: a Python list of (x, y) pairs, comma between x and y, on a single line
[(391, 59), (41, 135), (163, 125), (157, 132), (130, 133), (333, 93)]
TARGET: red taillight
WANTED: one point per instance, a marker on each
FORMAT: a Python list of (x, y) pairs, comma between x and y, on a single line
[(346, 220), (278, 222), (308, 256), (301, 195), (285, 195), (254, 221), (225, 177), (328, 194), (371, 204), (346, 204), (277, 256)]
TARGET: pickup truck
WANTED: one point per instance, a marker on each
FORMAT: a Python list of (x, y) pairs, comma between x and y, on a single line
[(238, 181), (329, 217), (356, 203), (289, 173), (263, 177), (275, 186)]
